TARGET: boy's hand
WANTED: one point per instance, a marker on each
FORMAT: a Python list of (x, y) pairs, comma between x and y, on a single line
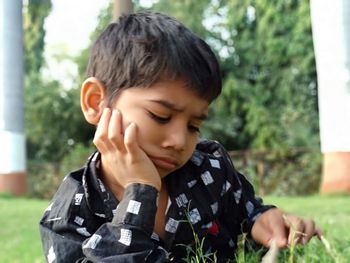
[(283, 228), (122, 158)]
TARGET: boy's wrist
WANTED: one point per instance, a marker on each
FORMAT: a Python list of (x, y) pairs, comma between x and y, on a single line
[(138, 206), (156, 185)]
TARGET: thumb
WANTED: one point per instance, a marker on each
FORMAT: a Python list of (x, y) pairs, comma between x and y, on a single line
[(268, 227), (261, 234), (280, 233)]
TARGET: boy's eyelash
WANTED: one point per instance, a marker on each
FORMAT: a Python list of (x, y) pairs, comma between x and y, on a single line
[(158, 118), (163, 120), (194, 128)]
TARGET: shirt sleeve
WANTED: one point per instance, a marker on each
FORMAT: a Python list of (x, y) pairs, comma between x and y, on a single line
[(241, 205), (126, 239)]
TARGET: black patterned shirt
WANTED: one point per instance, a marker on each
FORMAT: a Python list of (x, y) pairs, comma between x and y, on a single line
[(207, 196)]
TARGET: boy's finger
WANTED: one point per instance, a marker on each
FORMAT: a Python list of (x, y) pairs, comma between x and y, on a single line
[(130, 140), (296, 229), (102, 129), (279, 231), (261, 234), (115, 130), (309, 230), (270, 226)]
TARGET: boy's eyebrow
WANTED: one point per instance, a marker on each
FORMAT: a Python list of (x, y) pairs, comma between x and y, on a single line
[(172, 106)]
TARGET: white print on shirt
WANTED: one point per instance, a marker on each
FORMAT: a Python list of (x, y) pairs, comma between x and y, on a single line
[(78, 198), (195, 217), (114, 212), (231, 243), (133, 207), (79, 220), (215, 163), (238, 195), (49, 207), (83, 231), (225, 187), (250, 208), (197, 158), (207, 178), (207, 226), (171, 225), (93, 241), (214, 207), (190, 184), (100, 215), (53, 219), (125, 236), (181, 200), (102, 187), (256, 216), (155, 236), (217, 154), (51, 256)]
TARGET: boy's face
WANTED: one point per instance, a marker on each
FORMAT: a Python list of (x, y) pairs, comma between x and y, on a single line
[(168, 116)]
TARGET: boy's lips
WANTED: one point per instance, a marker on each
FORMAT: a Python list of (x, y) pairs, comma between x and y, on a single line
[(164, 162)]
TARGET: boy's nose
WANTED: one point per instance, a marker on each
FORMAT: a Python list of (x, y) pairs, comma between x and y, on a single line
[(175, 139)]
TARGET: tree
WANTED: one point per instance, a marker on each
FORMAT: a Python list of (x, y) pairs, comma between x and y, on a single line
[(269, 98), (54, 120)]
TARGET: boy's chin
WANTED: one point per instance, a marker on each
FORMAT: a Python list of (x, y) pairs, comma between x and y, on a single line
[(163, 173)]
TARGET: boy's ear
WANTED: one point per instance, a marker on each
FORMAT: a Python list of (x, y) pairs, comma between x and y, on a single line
[(92, 95)]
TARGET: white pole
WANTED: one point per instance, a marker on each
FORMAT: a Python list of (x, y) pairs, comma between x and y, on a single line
[(12, 139), (121, 7), (331, 35)]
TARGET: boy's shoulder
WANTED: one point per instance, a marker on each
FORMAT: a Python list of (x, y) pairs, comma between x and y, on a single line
[(210, 154), (211, 149), (209, 146)]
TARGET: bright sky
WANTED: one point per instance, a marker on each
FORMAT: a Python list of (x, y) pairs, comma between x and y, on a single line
[(68, 28), (71, 21)]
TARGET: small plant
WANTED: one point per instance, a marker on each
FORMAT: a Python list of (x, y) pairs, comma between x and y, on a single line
[(195, 252), (315, 251)]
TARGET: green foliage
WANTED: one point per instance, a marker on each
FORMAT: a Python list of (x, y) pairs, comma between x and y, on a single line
[(35, 12), (281, 172), (269, 98), (57, 122), (54, 122), (44, 178)]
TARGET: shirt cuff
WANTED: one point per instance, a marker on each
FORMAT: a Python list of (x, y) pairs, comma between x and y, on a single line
[(138, 207), (258, 212)]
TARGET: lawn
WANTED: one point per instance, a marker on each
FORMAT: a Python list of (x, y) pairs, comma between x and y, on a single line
[(20, 241)]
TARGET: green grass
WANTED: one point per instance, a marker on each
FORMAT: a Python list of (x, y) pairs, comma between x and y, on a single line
[(332, 215), (19, 235), (20, 240)]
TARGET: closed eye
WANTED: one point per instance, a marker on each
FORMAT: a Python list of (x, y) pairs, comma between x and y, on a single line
[(194, 128), (159, 119)]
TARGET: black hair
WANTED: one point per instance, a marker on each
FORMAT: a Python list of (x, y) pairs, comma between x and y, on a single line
[(143, 48)]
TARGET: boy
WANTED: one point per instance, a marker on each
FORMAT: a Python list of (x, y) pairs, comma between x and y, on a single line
[(152, 183)]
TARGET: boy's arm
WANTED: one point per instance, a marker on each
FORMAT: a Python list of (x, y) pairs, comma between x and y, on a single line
[(126, 239), (263, 223), (240, 204)]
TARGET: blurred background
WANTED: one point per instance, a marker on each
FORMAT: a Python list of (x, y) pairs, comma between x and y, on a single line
[(271, 117)]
